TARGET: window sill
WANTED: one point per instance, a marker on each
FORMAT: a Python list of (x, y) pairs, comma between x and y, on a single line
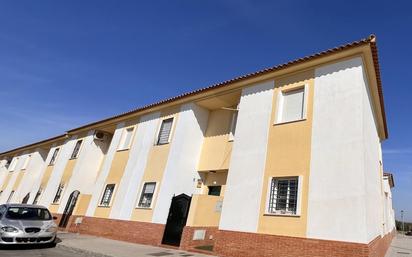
[(74, 158), (282, 215), (51, 164), (288, 122), (122, 150), (160, 144), (144, 208), (55, 203), (104, 206)]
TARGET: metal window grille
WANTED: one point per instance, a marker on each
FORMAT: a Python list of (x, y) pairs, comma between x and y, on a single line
[(36, 198), (107, 195), (76, 149), (164, 132), (147, 195), (58, 193), (53, 159), (283, 195)]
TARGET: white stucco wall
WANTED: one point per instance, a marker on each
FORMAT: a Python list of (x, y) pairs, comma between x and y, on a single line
[(105, 169), (60, 164), (86, 168), (241, 205), (344, 174), (3, 172), (127, 190), (7, 190), (180, 174)]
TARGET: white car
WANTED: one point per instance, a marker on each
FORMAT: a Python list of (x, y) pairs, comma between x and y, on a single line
[(26, 224)]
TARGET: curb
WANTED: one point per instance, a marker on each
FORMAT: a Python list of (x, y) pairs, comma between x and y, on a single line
[(82, 251)]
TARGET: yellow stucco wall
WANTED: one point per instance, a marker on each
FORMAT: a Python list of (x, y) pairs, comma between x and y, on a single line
[(288, 154), (82, 204), (217, 148), (6, 181), (203, 212)]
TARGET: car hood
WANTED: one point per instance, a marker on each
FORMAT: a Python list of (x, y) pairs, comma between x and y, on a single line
[(21, 224)]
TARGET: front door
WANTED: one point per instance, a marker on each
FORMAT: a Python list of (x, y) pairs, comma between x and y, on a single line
[(176, 221), (68, 210)]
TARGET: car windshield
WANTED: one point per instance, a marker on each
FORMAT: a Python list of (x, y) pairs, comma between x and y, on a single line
[(27, 213)]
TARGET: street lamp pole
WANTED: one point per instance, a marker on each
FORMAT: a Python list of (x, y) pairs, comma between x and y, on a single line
[(403, 223)]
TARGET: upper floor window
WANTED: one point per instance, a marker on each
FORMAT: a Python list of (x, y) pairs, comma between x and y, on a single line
[(76, 149), (10, 196), (58, 193), (13, 164), (26, 162), (107, 195), (291, 106), (283, 196), (8, 162), (164, 131), (126, 139), (54, 156), (146, 197)]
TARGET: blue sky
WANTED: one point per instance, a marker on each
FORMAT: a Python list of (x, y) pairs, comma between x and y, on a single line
[(64, 64)]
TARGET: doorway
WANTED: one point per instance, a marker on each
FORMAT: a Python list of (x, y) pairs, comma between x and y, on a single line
[(68, 210), (176, 221)]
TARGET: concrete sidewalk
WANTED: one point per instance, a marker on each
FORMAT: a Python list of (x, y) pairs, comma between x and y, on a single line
[(401, 246), (102, 247)]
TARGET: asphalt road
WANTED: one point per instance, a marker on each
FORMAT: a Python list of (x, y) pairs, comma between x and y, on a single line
[(37, 252)]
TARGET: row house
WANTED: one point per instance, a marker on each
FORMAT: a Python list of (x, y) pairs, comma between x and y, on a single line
[(285, 161)]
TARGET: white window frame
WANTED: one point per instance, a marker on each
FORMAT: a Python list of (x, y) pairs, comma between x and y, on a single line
[(26, 162), (13, 164), (57, 155), (120, 146), (298, 200), (78, 152), (169, 139), (280, 101), (61, 195), (111, 198), (141, 192)]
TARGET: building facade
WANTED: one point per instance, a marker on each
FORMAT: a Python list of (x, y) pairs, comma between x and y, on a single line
[(286, 161)]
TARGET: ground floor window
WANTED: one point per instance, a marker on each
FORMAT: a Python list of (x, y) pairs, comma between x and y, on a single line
[(146, 197), (58, 193), (283, 195), (36, 198), (107, 195), (214, 190)]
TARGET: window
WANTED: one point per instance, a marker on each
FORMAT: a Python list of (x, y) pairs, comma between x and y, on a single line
[(283, 196), (53, 159), (8, 162), (126, 139), (291, 106), (76, 149), (36, 198), (233, 125), (10, 196), (147, 195), (26, 162), (164, 132), (214, 190), (13, 164), (107, 195), (1, 192), (58, 193)]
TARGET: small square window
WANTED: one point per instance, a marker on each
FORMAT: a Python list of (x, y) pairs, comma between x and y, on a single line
[(214, 190), (146, 197), (13, 164), (26, 162), (76, 149), (283, 196), (126, 139), (291, 106), (54, 156), (107, 195), (164, 132)]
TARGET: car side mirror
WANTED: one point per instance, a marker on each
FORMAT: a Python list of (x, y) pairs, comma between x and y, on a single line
[(54, 217)]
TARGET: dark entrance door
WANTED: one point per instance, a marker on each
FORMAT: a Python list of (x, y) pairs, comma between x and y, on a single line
[(68, 210), (179, 209)]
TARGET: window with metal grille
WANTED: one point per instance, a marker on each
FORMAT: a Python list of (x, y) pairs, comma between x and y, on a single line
[(58, 193), (164, 132), (36, 198), (283, 195), (147, 195), (10, 196), (76, 149), (53, 159), (126, 139), (107, 195)]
